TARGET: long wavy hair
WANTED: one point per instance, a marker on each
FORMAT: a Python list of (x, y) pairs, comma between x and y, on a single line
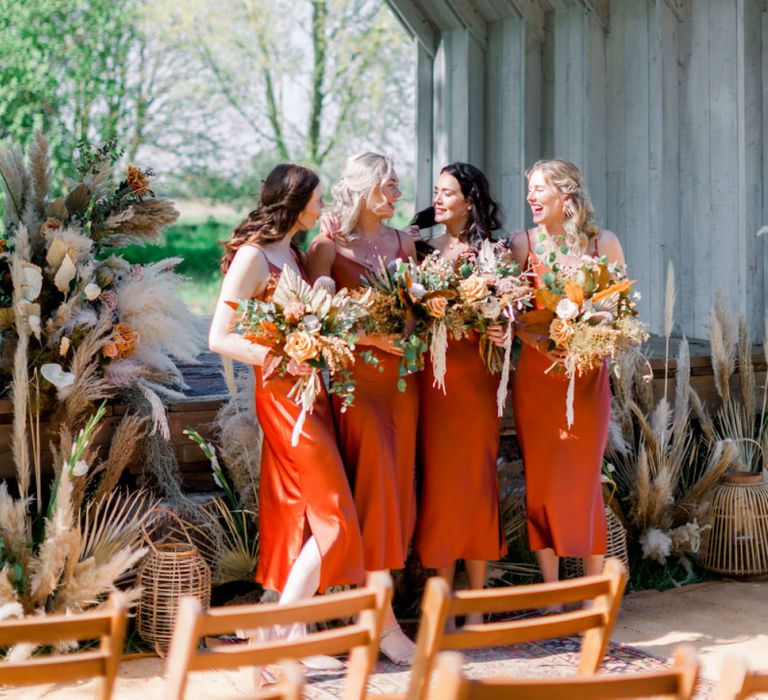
[(485, 214), (284, 195), (566, 178), (360, 185)]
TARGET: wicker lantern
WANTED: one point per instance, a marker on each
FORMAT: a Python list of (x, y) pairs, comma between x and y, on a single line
[(168, 573), (737, 542), (617, 546)]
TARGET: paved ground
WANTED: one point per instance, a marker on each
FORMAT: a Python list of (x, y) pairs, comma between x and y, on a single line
[(716, 618)]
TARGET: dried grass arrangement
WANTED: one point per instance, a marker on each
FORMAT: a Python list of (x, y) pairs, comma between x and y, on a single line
[(669, 455), (78, 325)]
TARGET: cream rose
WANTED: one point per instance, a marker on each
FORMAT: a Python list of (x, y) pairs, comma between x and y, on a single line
[(417, 291), (301, 346), (566, 309), (561, 332), (490, 308), (474, 288), (436, 306)]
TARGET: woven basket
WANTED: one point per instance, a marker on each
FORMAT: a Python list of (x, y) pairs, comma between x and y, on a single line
[(573, 567), (169, 572), (737, 542)]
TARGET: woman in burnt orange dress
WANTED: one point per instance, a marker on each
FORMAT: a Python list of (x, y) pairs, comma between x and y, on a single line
[(565, 511), (458, 436), (377, 434), (309, 537)]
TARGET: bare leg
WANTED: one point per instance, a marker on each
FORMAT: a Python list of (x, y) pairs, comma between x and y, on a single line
[(303, 581), (476, 575), (593, 564), (395, 645), (549, 565)]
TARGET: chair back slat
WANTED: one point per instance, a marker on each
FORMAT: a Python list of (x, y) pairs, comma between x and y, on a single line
[(737, 682), (676, 682), (493, 634), (234, 617), (329, 642), (529, 597), (603, 593), (107, 625), (360, 639)]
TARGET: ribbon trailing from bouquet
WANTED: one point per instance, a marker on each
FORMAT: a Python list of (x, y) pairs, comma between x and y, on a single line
[(438, 346), (501, 392), (308, 388)]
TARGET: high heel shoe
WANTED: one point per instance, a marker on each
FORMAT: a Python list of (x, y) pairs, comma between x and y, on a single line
[(396, 646)]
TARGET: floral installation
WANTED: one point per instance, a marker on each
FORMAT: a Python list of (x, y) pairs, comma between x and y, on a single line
[(79, 324), (589, 312), (300, 323)]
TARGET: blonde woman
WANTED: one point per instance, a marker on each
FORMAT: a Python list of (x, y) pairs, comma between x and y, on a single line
[(377, 434), (562, 464)]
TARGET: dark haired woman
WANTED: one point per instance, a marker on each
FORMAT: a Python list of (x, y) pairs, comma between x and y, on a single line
[(459, 430), (309, 537)]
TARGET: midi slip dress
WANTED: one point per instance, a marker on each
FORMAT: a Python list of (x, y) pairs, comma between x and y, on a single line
[(564, 501), (303, 490), (377, 439), (458, 442)]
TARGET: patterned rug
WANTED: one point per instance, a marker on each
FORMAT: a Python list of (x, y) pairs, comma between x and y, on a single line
[(555, 657)]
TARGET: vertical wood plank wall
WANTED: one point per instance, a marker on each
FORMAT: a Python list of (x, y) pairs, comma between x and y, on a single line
[(662, 103)]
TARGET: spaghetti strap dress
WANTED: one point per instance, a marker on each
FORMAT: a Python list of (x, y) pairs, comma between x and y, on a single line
[(458, 441), (564, 500), (377, 438), (303, 490)]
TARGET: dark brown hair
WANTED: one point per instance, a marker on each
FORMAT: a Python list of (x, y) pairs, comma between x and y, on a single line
[(485, 215), (284, 195)]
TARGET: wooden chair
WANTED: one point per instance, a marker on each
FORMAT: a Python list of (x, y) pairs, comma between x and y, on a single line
[(596, 622), (737, 681), (676, 682), (107, 625), (360, 639)]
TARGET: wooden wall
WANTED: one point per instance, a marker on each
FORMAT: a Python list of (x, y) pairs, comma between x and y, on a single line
[(662, 103)]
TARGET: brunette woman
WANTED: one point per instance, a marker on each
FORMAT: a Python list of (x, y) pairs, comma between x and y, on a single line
[(377, 434), (458, 435), (564, 500), (309, 538)]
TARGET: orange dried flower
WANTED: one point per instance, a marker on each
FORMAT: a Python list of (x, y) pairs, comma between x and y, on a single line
[(616, 288), (574, 292), (137, 180), (110, 350), (125, 339)]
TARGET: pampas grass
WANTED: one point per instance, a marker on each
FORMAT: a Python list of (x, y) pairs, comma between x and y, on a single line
[(150, 303), (40, 172), (239, 439), (133, 428), (669, 315), (142, 223), (721, 342)]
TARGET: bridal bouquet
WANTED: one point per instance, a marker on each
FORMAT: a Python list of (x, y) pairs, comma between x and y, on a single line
[(310, 324), (491, 291), (394, 309), (591, 314)]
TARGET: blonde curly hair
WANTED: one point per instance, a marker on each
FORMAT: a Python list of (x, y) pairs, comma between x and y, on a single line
[(360, 185), (566, 178)]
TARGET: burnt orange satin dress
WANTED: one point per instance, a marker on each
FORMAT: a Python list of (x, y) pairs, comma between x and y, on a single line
[(303, 490), (564, 500), (377, 438), (458, 513)]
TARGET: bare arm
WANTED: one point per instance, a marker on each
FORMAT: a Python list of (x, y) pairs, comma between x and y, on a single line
[(247, 276), (320, 256), (407, 243)]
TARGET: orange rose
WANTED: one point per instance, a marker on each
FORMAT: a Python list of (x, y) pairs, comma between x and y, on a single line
[(125, 338), (561, 332), (436, 306), (301, 346), (474, 288)]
